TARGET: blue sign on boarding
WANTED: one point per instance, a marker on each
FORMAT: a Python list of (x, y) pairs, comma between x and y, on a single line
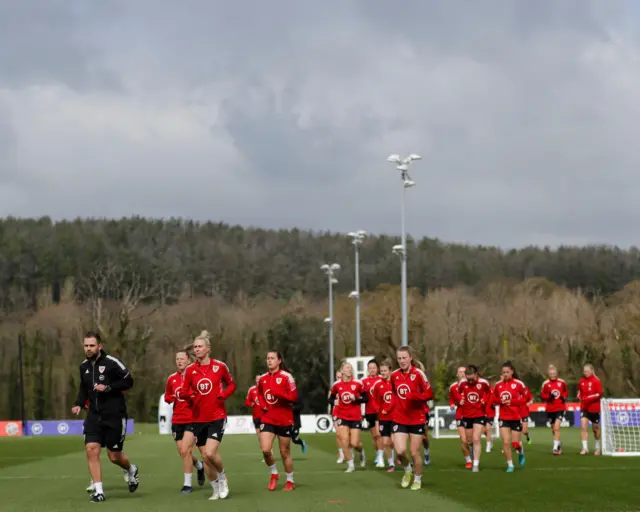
[(60, 428)]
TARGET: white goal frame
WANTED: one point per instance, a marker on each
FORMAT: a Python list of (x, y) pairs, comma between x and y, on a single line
[(441, 410), (618, 406)]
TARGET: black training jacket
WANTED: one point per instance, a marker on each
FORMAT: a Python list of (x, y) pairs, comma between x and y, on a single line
[(111, 372)]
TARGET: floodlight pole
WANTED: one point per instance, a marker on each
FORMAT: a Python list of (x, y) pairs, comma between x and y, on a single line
[(357, 300), (330, 270)]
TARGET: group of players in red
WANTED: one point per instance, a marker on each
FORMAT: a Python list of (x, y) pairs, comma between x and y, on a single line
[(396, 412)]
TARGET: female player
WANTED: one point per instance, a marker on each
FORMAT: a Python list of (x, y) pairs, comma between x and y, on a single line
[(474, 392), (554, 393), (182, 417), (454, 404), (335, 427), (382, 392), (525, 412), (590, 393), (252, 402), (412, 389), (371, 411), (491, 414), (210, 382), (347, 395), (297, 424), (277, 393), (425, 439), (509, 394)]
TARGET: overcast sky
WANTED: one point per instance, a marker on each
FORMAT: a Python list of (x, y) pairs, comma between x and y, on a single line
[(282, 113)]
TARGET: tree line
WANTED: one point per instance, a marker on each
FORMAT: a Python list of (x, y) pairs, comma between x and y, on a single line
[(151, 286)]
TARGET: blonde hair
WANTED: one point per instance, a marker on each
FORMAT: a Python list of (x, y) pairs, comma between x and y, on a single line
[(387, 362), (419, 366), (552, 367), (590, 366), (204, 336), (344, 365)]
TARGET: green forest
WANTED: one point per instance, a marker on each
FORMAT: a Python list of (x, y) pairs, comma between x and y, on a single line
[(150, 286)]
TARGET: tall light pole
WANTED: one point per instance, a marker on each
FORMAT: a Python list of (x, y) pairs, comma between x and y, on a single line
[(358, 238), (402, 164), (330, 270)]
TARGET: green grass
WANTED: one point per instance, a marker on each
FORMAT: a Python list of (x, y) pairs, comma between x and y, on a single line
[(50, 474)]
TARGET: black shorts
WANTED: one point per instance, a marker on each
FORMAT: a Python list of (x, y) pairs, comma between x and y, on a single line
[(515, 425), (385, 428), (256, 423), (178, 430), (352, 424), (468, 423), (209, 430), (524, 420), (278, 430), (371, 420), (593, 417), (108, 433), (555, 416), (416, 430)]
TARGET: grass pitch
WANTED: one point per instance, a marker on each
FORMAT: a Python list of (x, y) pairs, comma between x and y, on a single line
[(49, 474)]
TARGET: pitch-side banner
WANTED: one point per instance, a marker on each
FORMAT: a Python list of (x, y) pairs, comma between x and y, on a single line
[(10, 428), (61, 428)]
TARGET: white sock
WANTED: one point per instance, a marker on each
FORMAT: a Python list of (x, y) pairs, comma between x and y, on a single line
[(199, 464), (467, 459), (214, 485), (188, 479), (426, 451), (476, 463), (350, 463), (556, 444), (98, 486), (598, 445), (585, 445), (132, 469), (510, 463), (222, 476), (341, 451), (274, 469), (380, 454), (289, 477), (391, 461), (417, 479)]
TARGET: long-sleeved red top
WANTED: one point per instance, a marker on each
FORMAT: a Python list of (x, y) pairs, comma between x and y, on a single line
[(252, 401), (211, 384), (383, 393), (590, 393), (412, 389), (454, 400), (277, 392), (509, 397), (182, 413), (554, 393)]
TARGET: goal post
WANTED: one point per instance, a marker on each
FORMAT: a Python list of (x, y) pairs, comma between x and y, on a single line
[(620, 426), (445, 426)]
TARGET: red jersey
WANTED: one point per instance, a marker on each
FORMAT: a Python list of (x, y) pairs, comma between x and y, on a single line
[(491, 405), (382, 392), (524, 408), (277, 393), (372, 406), (512, 391), (473, 397), (211, 384), (590, 393), (554, 393), (412, 390), (252, 401), (454, 400), (349, 395), (181, 404)]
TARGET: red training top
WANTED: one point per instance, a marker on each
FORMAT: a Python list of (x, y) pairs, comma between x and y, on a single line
[(252, 401), (524, 408), (277, 393), (590, 393), (349, 393), (554, 393), (412, 389), (473, 397), (372, 406), (491, 405), (512, 391), (182, 413), (383, 393), (454, 400), (211, 384)]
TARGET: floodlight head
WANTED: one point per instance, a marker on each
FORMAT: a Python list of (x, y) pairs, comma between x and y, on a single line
[(354, 295), (398, 248), (409, 183), (362, 233), (335, 266), (324, 267), (413, 156), (403, 167), (393, 158), (327, 320), (334, 280), (352, 234)]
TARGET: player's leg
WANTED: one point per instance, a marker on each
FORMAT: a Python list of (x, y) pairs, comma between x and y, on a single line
[(426, 446), (356, 444), (415, 443), (505, 434), (284, 443), (488, 433), (595, 425), (584, 433), (400, 439), (266, 446), (115, 435), (375, 439), (476, 437), (555, 426), (214, 459), (517, 442), (525, 429), (342, 434), (340, 449), (92, 448), (468, 441), (464, 446)]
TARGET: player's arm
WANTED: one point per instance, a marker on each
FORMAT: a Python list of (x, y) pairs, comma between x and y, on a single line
[(545, 395), (596, 395), (564, 394), (169, 395), (230, 385), (123, 379), (520, 399), (362, 397), (333, 394), (424, 393), (288, 392), (83, 393), (185, 389)]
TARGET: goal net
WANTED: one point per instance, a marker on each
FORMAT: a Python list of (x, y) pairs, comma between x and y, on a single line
[(444, 424), (620, 424)]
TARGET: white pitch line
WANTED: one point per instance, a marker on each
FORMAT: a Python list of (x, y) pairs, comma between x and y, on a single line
[(320, 472)]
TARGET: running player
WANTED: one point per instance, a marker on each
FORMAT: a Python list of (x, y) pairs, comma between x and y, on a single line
[(297, 424), (454, 404), (347, 395), (554, 393), (180, 420), (509, 394), (383, 394), (491, 414), (474, 392), (340, 459), (277, 393), (412, 389), (590, 393), (252, 402), (525, 412), (425, 439), (371, 411), (210, 382)]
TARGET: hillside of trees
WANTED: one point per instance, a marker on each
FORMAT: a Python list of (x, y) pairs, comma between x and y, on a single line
[(150, 286)]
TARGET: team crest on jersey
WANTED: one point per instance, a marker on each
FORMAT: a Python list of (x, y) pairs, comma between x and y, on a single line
[(413, 377), (101, 369), (513, 386), (353, 388), (215, 368), (478, 386), (278, 380)]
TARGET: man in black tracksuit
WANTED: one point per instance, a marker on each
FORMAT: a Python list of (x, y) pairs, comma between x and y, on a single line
[(103, 381), (297, 424)]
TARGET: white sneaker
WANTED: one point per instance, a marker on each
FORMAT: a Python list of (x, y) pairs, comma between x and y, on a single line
[(489, 446), (91, 489), (380, 463), (126, 475), (340, 459), (216, 492), (363, 459), (350, 469), (224, 488)]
